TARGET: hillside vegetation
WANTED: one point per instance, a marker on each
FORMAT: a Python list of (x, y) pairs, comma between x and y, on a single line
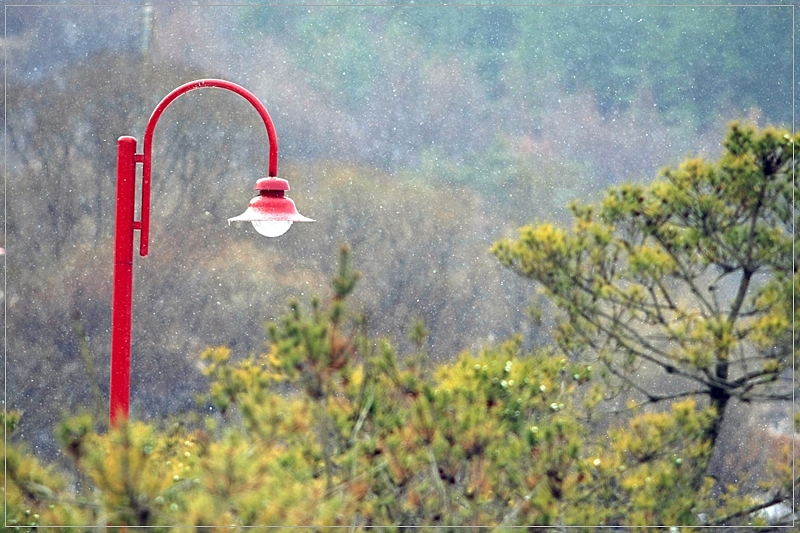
[(329, 427)]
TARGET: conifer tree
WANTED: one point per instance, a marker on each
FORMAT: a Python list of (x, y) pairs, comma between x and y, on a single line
[(691, 275)]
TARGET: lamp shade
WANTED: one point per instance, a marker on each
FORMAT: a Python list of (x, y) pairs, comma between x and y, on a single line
[(271, 212)]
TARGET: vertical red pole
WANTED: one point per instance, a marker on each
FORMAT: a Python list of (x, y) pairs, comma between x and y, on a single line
[(122, 298)]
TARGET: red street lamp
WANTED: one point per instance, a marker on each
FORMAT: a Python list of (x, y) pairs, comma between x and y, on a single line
[(271, 213)]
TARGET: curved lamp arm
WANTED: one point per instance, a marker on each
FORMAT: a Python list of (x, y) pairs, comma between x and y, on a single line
[(144, 237)]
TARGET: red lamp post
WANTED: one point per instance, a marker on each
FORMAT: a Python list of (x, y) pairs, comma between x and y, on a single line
[(271, 213)]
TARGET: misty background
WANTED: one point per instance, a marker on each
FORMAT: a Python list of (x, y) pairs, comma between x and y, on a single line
[(417, 134)]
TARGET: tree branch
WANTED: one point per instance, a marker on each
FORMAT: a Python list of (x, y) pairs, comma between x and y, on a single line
[(777, 498)]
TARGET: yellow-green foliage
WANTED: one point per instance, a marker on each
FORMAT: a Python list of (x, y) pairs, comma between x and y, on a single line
[(687, 280), (498, 438), (691, 275), (34, 494)]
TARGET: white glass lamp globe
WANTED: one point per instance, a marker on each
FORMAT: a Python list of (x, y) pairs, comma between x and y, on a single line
[(272, 228)]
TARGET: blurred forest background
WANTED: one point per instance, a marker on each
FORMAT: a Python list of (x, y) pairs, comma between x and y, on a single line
[(419, 135)]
